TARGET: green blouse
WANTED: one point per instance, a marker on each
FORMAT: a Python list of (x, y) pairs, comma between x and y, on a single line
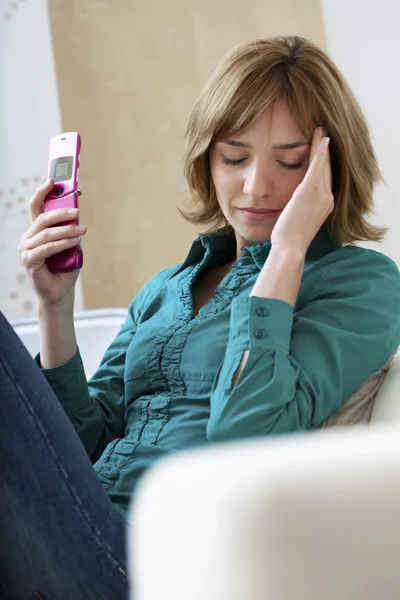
[(166, 382)]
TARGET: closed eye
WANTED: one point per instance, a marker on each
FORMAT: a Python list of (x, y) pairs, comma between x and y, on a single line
[(290, 167), (231, 162), (239, 161)]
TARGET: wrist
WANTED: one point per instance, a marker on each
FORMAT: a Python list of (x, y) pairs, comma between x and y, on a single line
[(64, 306), (295, 254), (62, 310), (281, 274), (57, 334)]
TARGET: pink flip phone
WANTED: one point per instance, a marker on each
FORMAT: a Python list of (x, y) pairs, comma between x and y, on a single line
[(64, 169)]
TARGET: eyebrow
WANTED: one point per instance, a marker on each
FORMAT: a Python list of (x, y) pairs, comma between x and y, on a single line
[(288, 146)]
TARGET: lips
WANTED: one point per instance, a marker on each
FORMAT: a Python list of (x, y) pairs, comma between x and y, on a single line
[(259, 214), (259, 211)]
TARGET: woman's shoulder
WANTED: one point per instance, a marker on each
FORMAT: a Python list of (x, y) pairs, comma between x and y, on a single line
[(358, 262), (356, 285), (360, 274)]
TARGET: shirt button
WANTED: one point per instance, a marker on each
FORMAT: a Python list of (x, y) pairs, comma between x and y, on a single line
[(260, 334), (262, 311)]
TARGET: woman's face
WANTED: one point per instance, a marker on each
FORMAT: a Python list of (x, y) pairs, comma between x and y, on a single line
[(256, 172)]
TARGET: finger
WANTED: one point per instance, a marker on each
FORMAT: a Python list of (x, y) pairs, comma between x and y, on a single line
[(53, 217), (35, 257), (36, 203), (328, 171), (317, 136), (54, 234), (316, 168)]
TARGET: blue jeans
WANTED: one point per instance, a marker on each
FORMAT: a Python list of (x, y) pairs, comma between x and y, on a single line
[(60, 536)]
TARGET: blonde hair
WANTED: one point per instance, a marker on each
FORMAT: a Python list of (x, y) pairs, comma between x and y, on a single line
[(248, 80)]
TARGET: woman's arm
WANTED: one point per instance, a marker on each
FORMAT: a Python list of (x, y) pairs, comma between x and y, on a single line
[(97, 408), (302, 366), (281, 278)]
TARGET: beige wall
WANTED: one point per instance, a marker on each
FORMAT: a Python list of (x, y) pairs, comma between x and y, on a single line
[(128, 74)]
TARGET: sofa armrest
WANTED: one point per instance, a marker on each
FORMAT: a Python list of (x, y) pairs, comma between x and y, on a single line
[(311, 517)]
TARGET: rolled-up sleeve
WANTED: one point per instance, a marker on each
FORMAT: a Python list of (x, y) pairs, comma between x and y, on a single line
[(303, 365)]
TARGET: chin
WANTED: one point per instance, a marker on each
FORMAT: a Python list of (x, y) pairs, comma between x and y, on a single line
[(253, 235)]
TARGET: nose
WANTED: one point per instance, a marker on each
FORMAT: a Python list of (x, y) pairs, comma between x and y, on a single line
[(258, 183)]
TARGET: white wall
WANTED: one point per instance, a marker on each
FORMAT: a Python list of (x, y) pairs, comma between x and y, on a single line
[(29, 116), (363, 39)]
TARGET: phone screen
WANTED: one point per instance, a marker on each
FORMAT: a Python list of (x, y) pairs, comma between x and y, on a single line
[(61, 169)]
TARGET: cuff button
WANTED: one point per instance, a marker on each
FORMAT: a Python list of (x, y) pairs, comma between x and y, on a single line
[(260, 334)]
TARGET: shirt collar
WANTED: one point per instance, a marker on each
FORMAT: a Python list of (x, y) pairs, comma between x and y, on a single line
[(222, 246)]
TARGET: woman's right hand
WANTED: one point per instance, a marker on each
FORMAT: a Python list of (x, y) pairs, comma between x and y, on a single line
[(41, 241)]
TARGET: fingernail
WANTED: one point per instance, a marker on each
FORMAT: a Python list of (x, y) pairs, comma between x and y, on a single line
[(320, 131), (327, 140), (80, 228), (72, 211)]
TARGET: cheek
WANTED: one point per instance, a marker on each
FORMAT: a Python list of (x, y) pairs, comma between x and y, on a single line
[(226, 183), (289, 182)]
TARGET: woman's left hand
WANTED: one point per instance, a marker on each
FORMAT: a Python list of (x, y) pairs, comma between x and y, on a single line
[(311, 203)]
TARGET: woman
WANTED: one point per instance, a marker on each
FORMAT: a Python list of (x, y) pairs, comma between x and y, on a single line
[(268, 326)]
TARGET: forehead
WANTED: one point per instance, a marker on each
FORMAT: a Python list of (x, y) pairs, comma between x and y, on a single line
[(277, 121)]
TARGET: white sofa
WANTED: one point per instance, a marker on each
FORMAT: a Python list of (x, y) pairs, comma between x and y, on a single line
[(310, 517), (95, 330), (315, 517)]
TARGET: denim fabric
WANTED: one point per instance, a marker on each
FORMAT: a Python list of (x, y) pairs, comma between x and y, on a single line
[(60, 536)]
